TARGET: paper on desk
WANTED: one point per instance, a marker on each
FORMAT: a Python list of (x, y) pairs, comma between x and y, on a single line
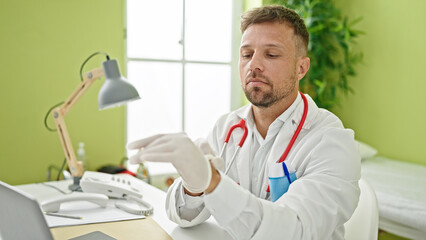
[(90, 213)]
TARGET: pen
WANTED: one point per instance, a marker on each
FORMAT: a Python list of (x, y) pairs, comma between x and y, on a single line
[(61, 215)]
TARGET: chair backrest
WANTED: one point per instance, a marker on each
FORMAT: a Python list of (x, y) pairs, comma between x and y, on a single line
[(364, 223)]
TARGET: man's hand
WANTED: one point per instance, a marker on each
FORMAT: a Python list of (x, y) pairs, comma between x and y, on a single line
[(189, 161), (205, 148)]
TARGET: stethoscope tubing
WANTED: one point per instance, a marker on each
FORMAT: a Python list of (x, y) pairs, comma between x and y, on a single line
[(232, 159), (241, 124), (299, 128)]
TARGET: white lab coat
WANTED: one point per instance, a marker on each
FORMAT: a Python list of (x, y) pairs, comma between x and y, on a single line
[(316, 205)]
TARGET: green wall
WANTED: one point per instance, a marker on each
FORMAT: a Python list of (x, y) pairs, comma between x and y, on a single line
[(388, 109), (42, 45)]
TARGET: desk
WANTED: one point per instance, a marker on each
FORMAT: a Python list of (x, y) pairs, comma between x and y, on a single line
[(206, 231)]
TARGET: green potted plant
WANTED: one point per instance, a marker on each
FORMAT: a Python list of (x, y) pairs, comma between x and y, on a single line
[(330, 49)]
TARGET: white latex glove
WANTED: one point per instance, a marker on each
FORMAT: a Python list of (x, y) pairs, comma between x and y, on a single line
[(178, 149), (205, 148)]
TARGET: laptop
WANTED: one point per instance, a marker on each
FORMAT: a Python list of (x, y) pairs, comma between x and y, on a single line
[(21, 216)]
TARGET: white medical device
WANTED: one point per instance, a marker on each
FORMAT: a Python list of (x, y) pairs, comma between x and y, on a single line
[(54, 204), (97, 187), (116, 186)]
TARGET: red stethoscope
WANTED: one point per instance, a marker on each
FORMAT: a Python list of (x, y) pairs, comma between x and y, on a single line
[(242, 125)]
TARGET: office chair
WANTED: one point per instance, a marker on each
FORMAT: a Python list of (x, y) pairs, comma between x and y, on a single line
[(364, 223)]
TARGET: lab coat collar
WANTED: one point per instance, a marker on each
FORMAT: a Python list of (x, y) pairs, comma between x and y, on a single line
[(287, 114), (312, 112), (295, 112), (245, 112)]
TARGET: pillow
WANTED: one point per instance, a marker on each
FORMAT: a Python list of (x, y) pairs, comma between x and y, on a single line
[(366, 151)]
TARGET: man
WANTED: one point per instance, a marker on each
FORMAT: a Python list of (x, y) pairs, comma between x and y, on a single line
[(323, 161)]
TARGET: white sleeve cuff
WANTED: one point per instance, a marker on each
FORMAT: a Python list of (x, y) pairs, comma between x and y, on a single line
[(227, 201), (190, 202), (181, 213)]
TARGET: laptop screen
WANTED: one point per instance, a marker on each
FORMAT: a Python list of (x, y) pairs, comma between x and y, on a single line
[(20, 215)]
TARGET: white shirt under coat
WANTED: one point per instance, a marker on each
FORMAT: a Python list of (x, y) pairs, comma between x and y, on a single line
[(317, 204)]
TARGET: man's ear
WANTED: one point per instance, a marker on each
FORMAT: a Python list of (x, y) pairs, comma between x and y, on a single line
[(302, 67)]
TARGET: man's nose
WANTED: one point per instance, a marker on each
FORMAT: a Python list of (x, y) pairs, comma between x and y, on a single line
[(256, 64)]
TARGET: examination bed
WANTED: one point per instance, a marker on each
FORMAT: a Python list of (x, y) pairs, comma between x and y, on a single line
[(400, 188)]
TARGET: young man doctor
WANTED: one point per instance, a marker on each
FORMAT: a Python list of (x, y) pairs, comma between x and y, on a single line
[(321, 171)]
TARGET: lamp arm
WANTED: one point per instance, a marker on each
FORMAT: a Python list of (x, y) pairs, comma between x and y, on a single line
[(59, 113), (88, 80)]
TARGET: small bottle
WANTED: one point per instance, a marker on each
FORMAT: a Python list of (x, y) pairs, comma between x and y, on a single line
[(81, 155)]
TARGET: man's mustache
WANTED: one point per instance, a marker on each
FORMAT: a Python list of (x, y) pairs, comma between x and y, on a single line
[(257, 75)]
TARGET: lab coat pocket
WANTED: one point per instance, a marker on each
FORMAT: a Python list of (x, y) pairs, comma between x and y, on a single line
[(280, 178)]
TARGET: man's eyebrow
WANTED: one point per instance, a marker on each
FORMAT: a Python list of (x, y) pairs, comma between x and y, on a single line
[(245, 46), (270, 45)]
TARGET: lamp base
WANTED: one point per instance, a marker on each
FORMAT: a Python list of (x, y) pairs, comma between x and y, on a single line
[(75, 187)]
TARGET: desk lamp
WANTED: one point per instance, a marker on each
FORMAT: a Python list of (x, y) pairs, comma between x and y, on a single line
[(114, 92)]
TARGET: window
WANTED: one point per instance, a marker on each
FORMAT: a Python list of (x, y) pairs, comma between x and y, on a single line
[(180, 57)]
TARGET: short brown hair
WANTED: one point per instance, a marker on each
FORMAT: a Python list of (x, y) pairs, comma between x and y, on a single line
[(276, 13)]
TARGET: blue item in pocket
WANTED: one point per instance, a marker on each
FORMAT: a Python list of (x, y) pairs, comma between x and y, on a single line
[(279, 185)]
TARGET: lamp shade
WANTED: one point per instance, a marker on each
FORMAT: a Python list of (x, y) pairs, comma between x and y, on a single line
[(116, 90)]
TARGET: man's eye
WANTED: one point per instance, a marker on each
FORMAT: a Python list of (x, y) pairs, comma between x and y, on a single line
[(272, 55), (245, 55)]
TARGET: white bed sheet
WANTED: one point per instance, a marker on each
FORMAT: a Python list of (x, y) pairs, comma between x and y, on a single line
[(401, 192)]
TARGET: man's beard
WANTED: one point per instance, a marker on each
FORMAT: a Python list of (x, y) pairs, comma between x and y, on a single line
[(262, 99)]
